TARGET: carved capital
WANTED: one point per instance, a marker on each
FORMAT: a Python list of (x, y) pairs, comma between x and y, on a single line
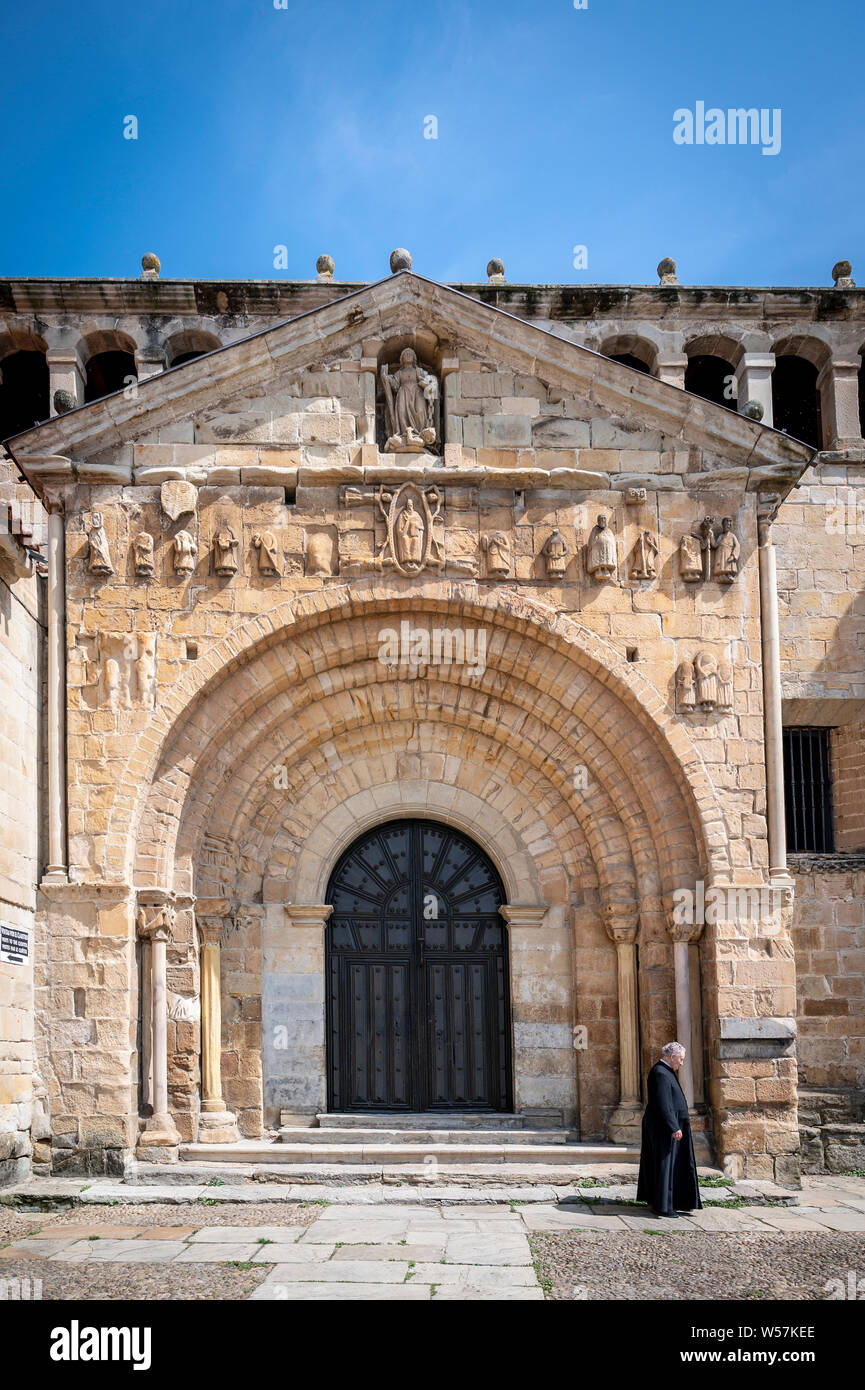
[(156, 921), (307, 914), (684, 931), (523, 915), (621, 921)]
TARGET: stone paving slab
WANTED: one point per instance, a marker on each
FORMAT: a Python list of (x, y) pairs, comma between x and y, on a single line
[(334, 1233), (474, 1293), (488, 1250), (217, 1253), (280, 1289), (835, 1218), (47, 1247), (295, 1254), (211, 1235), (347, 1272), (556, 1219), (782, 1220), (82, 1232), (479, 1276), (125, 1251), (421, 1254)]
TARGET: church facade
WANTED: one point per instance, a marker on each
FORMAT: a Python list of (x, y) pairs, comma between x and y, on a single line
[(430, 700)]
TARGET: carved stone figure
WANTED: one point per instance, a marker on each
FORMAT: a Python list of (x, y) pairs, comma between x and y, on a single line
[(497, 549), (685, 695), (646, 553), (319, 554), (410, 395), (708, 540), (145, 669), (100, 556), (706, 671), (411, 514), (114, 695), (601, 552), (725, 685), (143, 547), (635, 496), (555, 553), (185, 551), (409, 532), (127, 662), (690, 559), (268, 554), (178, 498), (727, 552), (225, 551)]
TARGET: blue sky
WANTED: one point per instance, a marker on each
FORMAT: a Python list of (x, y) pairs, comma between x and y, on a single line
[(304, 127)]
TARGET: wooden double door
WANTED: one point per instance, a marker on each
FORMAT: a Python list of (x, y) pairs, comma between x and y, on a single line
[(418, 1014)]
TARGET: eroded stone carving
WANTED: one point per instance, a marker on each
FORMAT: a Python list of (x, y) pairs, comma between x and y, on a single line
[(184, 1008), (704, 683), (497, 548), (601, 552), (319, 554), (143, 549), (178, 498), (185, 551), (410, 395), (127, 666), (635, 496), (268, 554), (646, 552), (225, 550), (701, 552), (410, 514), (555, 553), (99, 560)]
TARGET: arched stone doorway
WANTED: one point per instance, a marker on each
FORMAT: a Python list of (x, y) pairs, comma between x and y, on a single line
[(416, 971)]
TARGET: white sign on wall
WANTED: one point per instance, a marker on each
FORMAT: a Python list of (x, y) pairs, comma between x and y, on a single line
[(14, 944)]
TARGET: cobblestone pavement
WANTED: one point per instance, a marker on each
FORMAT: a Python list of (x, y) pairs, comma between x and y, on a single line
[(357, 1247)]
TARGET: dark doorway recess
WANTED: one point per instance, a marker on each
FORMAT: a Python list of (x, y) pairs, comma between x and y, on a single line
[(418, 1015)]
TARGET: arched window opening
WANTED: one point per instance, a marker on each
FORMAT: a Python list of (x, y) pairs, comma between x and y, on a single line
[(796, 400), (23, 392), (188, 357), (712, 378), (108, 372)]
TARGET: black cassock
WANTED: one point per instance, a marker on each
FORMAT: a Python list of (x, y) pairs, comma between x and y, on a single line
[(668, 1170)]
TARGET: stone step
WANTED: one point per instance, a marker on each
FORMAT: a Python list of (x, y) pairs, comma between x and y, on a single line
[(315, 1138), (427, 1120), (410, 1155)]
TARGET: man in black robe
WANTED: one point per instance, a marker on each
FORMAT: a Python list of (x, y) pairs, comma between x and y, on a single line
[(668, 1170)]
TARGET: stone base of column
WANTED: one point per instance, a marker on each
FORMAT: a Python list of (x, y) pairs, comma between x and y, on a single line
[(625, 1124), (55, 874), (217, 1126), (158, 1141)]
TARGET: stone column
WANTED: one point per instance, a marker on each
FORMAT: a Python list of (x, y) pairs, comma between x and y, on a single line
[(838, 384), (216, 1123), (671, 369), (65, 373), (689, 1022), (57, 861), (754, 382), (156, 918), (772, 715), (622, 921)]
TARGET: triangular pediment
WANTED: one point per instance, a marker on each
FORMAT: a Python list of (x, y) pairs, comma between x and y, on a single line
[(568, 399)]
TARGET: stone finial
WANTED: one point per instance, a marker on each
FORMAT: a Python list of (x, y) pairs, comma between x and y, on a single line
[(324, 267), (63, 401), (667, 271), (400, 259), (753, 410), (150, 266), (842, 272), (496, 271)]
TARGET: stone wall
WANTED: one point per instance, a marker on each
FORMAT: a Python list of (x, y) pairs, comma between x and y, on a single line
[(829, 939), (22, 619), (848, 787)]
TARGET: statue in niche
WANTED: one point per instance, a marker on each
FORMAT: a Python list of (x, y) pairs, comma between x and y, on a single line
[(100, 556), (601, 553), (185, 551), (319, 554), (143, 547), (706, 671), (555, 553), (685, 695), (646, 553), (409, 532), (268, 555), (727, 552), (497, 549), (225, 551), (708, 540), (410, 395), (690, 559)]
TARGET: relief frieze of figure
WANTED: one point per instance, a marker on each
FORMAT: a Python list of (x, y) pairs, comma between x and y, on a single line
[(411, 515)]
